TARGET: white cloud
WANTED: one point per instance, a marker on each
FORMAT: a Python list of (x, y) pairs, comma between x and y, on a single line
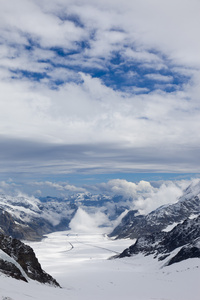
[(46, 28), (143, 196), (91, 112), (60, 186), (83, 111), (166, 194), (37, 193), (143, 56), (7, 186), (88, 223), (4, 184), (159, 77), (126, 188), (73, 188)]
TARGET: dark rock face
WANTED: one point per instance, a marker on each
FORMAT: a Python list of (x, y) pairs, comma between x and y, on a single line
[(125, 227), (25, 257), (185, 235), (11, 270), (133, 226), (29, 221), (9, 226), (189, 251)]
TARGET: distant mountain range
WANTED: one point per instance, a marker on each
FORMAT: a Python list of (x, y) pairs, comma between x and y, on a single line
[(29, 218), (170, 233)]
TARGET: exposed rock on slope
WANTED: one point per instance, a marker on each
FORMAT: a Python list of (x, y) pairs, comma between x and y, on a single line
[(133, 226), (185, 235), (191, 250), (28, 218), (21, 259), (10, 269), (9, 226)]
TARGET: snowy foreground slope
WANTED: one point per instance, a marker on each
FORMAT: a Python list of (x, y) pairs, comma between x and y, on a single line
[(79, 262)]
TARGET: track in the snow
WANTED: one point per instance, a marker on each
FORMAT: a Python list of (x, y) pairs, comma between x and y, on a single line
[(94, 246)]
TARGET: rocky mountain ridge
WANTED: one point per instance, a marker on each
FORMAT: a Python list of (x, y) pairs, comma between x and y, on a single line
[(28, 218), (133, 225), (19, 261), (185, 238)]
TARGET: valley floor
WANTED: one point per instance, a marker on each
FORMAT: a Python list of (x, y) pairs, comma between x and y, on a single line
[(79, 262)]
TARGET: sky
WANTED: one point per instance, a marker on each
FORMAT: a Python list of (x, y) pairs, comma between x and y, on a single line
[(99, 90)]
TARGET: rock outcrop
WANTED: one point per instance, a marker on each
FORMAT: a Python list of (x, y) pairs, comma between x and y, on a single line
[(133, 225), (22, 262), (185, 236)]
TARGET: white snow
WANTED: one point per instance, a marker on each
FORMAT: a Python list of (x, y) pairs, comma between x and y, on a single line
[(4, 256), (170, 227), (79, 263), (193, 216)]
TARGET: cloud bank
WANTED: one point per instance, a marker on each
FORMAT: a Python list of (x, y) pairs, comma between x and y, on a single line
[(88, 223), (142, 196), (97, 87), (103, 209), (145, 196)]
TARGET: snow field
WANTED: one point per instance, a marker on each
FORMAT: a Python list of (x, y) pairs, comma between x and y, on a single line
[(79, 262)]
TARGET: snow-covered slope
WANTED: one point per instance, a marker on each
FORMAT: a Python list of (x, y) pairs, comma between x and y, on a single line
[(85, 272), (28, 218), (10, 267), (162, 262), (185, 237), (133, 226), (19, 261)]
